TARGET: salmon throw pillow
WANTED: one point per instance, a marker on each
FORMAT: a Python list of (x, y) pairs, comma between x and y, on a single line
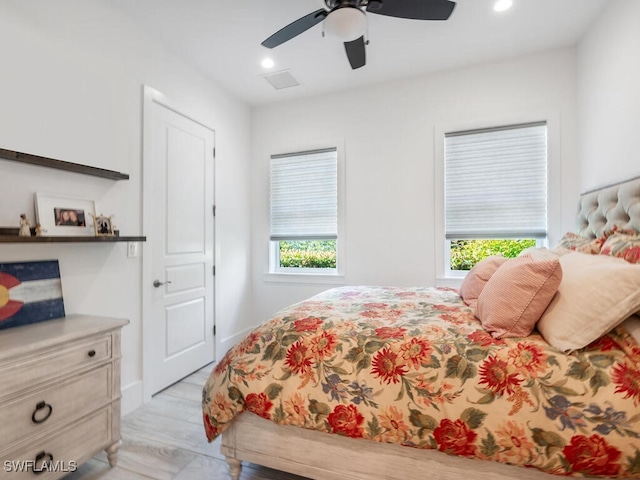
[(477, 278), (517, 294)]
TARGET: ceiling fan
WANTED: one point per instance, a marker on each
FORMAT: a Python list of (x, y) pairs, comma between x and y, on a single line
[(347, 20)]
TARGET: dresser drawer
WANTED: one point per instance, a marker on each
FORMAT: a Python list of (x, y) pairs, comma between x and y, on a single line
[(47, 366), (69, 446), (54, 406)]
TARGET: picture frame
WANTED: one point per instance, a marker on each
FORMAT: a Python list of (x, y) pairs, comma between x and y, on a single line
[(103, 226), (64, 216)]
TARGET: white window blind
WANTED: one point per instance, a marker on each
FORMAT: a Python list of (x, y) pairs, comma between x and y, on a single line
[(496, 183), (304, 196)]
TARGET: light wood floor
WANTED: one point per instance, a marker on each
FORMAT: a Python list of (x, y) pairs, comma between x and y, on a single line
[(165, 440)]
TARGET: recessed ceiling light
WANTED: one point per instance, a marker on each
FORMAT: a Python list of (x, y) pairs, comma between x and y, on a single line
[(502, 5), (267, 63)]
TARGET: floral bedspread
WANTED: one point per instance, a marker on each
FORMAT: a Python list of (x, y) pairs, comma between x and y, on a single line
[(413, 366)]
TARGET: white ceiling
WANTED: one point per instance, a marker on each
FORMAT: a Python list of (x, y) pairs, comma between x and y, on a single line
[(223, 39)]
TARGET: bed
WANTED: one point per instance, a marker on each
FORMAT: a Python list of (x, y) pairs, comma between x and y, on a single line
[(389, 383)]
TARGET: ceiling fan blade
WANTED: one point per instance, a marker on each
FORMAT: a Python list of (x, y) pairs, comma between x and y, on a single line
[(413, 9), (295, 28), (356, 52)]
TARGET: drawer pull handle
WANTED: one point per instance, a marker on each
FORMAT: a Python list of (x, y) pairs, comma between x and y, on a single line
[(37, 470), (92, 353), (40, 406)]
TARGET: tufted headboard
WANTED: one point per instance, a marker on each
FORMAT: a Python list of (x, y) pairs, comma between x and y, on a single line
[(605, 207)]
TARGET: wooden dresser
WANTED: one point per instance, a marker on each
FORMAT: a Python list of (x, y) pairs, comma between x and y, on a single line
[(59, 395)]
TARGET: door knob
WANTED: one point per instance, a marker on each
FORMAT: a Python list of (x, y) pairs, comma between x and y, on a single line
[(158, 283)]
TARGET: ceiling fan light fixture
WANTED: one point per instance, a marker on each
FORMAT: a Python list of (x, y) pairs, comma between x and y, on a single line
[(346, 23), (502, 5)]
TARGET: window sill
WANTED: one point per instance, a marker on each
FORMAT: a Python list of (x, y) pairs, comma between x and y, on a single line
[(304, 278)]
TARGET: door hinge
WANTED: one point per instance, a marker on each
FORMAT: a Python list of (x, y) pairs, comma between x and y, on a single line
[(214, 210), (214, 270), (214, 330), (214, 153)]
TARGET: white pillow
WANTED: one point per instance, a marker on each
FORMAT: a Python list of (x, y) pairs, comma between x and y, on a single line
[(596, 294), (632, 324), (544, 253)]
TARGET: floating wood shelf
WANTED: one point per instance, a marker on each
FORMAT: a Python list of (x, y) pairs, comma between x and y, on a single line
[(61, 165), (17, 239), (10, 235)]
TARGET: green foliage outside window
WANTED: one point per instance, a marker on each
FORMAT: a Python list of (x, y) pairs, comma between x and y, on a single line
[(308, 254), (466, 253)]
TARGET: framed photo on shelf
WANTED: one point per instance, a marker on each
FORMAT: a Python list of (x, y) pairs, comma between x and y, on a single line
[(103, 226), (64, 216)]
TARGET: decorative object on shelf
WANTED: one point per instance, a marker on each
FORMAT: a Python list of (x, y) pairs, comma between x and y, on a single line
[(30, 292), (39, 230), (25, 226), (103, 226), (64, 216)]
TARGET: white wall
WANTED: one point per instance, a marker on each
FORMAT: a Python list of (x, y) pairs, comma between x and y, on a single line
[(388, 133), (609, 96), (71, 88)]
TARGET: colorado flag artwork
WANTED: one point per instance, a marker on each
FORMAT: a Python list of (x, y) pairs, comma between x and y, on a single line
[(30, 292)]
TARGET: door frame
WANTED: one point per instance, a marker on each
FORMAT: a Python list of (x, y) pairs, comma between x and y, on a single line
[(152, 96)]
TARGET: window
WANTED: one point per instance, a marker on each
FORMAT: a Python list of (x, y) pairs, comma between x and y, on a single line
[(304, 212), (495, 193)]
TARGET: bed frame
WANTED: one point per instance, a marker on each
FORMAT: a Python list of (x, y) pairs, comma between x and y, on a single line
[(326, 456)]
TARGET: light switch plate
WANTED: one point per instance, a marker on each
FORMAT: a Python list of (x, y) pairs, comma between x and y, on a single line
[(132, 249)]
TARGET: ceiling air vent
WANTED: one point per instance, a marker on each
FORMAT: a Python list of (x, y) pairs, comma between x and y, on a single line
[(280, 80)]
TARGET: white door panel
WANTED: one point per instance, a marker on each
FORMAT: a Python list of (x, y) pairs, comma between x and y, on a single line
[(186, 193), (185, 277), (180, 242), (185, 324)]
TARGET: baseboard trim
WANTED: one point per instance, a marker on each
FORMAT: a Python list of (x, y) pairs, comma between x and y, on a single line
[(132, 397), (229, 342)]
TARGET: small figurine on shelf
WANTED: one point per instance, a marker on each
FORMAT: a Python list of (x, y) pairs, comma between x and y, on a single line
[(39, 230), (25, 226)]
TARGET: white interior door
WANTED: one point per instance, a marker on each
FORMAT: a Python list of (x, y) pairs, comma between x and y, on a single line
[(180, 271)]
